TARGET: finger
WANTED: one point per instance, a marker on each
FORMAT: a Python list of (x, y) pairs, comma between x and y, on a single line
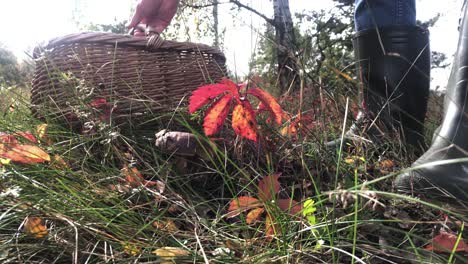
[(137, 18)]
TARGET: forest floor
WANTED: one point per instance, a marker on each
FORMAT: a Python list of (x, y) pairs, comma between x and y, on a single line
[(108, 194)]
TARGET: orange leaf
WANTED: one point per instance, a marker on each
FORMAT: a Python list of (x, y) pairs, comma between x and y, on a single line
[(254, 215), (342, 74), (289, 206), (445, 242), (242, 203), (35, 227), (269, 102), (133, 176), (244, 122), (268, 187), (271, 228), (27, 154), (216, 115), (204, 94)]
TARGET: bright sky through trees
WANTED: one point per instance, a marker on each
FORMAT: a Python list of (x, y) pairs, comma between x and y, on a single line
[(24, 23)]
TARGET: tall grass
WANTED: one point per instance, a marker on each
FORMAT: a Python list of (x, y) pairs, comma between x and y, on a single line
[(94, 215)]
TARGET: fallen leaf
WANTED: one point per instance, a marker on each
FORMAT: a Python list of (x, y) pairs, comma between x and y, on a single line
[(41, 131), (254, 215), (342, 74), (171, 253), (354, 160), (35, 227), (58, 163), (289, 206), (445, 242), (386, 165), (133, 176), (98, 103), (241, 204), (131, 250), (28, 136), (268, 187), (165, 225), (4, 161), (269, 102), (244, 122), (216, 115), (271, 228), (27, 154)]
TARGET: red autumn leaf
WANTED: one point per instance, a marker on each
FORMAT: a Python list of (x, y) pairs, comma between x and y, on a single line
[(8, 139), (254, 215), (268, 187), (99, 103), (445, 242), (269, 102), (216, 115), (242, 203), (233, 88), (28, 136), (11, 149), (204, 94), (244, 122), (289, 206)]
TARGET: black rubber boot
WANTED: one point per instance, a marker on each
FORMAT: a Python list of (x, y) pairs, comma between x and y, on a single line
[(439, 181), (394, 68)]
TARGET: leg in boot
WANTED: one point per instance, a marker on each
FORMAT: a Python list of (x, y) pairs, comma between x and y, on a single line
[(394, 65), (430, 178)]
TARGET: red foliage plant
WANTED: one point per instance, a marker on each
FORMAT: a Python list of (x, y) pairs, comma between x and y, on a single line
[(225, 94)]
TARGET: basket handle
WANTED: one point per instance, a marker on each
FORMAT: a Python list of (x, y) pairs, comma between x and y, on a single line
[(154, 40)]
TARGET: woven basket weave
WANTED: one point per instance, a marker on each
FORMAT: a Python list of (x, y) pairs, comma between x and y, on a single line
[(119, 74)]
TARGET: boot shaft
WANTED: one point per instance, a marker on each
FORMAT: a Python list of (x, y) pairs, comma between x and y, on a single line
[(394, 67)]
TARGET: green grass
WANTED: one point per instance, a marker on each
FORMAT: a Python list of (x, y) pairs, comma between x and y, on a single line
[(92, 215)]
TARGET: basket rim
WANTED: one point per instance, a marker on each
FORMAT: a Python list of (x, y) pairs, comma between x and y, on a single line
[(125, 40)]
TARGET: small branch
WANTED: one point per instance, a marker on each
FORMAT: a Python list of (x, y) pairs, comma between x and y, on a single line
[(267, 19), (213, 3)]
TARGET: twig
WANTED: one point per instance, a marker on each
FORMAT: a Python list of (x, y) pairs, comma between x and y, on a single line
[(239, 4)]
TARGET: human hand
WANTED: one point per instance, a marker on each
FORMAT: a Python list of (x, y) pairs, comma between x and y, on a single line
[(156, 14)]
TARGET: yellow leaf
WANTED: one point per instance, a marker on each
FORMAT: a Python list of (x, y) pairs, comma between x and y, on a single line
[(34, 226), (354, 159), (254, 215), (166, 225), (41, 132), (4, 161), (171, 253), (131, 250), (271, 228)]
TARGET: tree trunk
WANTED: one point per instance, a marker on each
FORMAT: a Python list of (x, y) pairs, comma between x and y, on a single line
[(215, 24), (288, 70)]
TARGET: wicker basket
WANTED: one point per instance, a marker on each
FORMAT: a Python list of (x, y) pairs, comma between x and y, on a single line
[(121, 76)]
